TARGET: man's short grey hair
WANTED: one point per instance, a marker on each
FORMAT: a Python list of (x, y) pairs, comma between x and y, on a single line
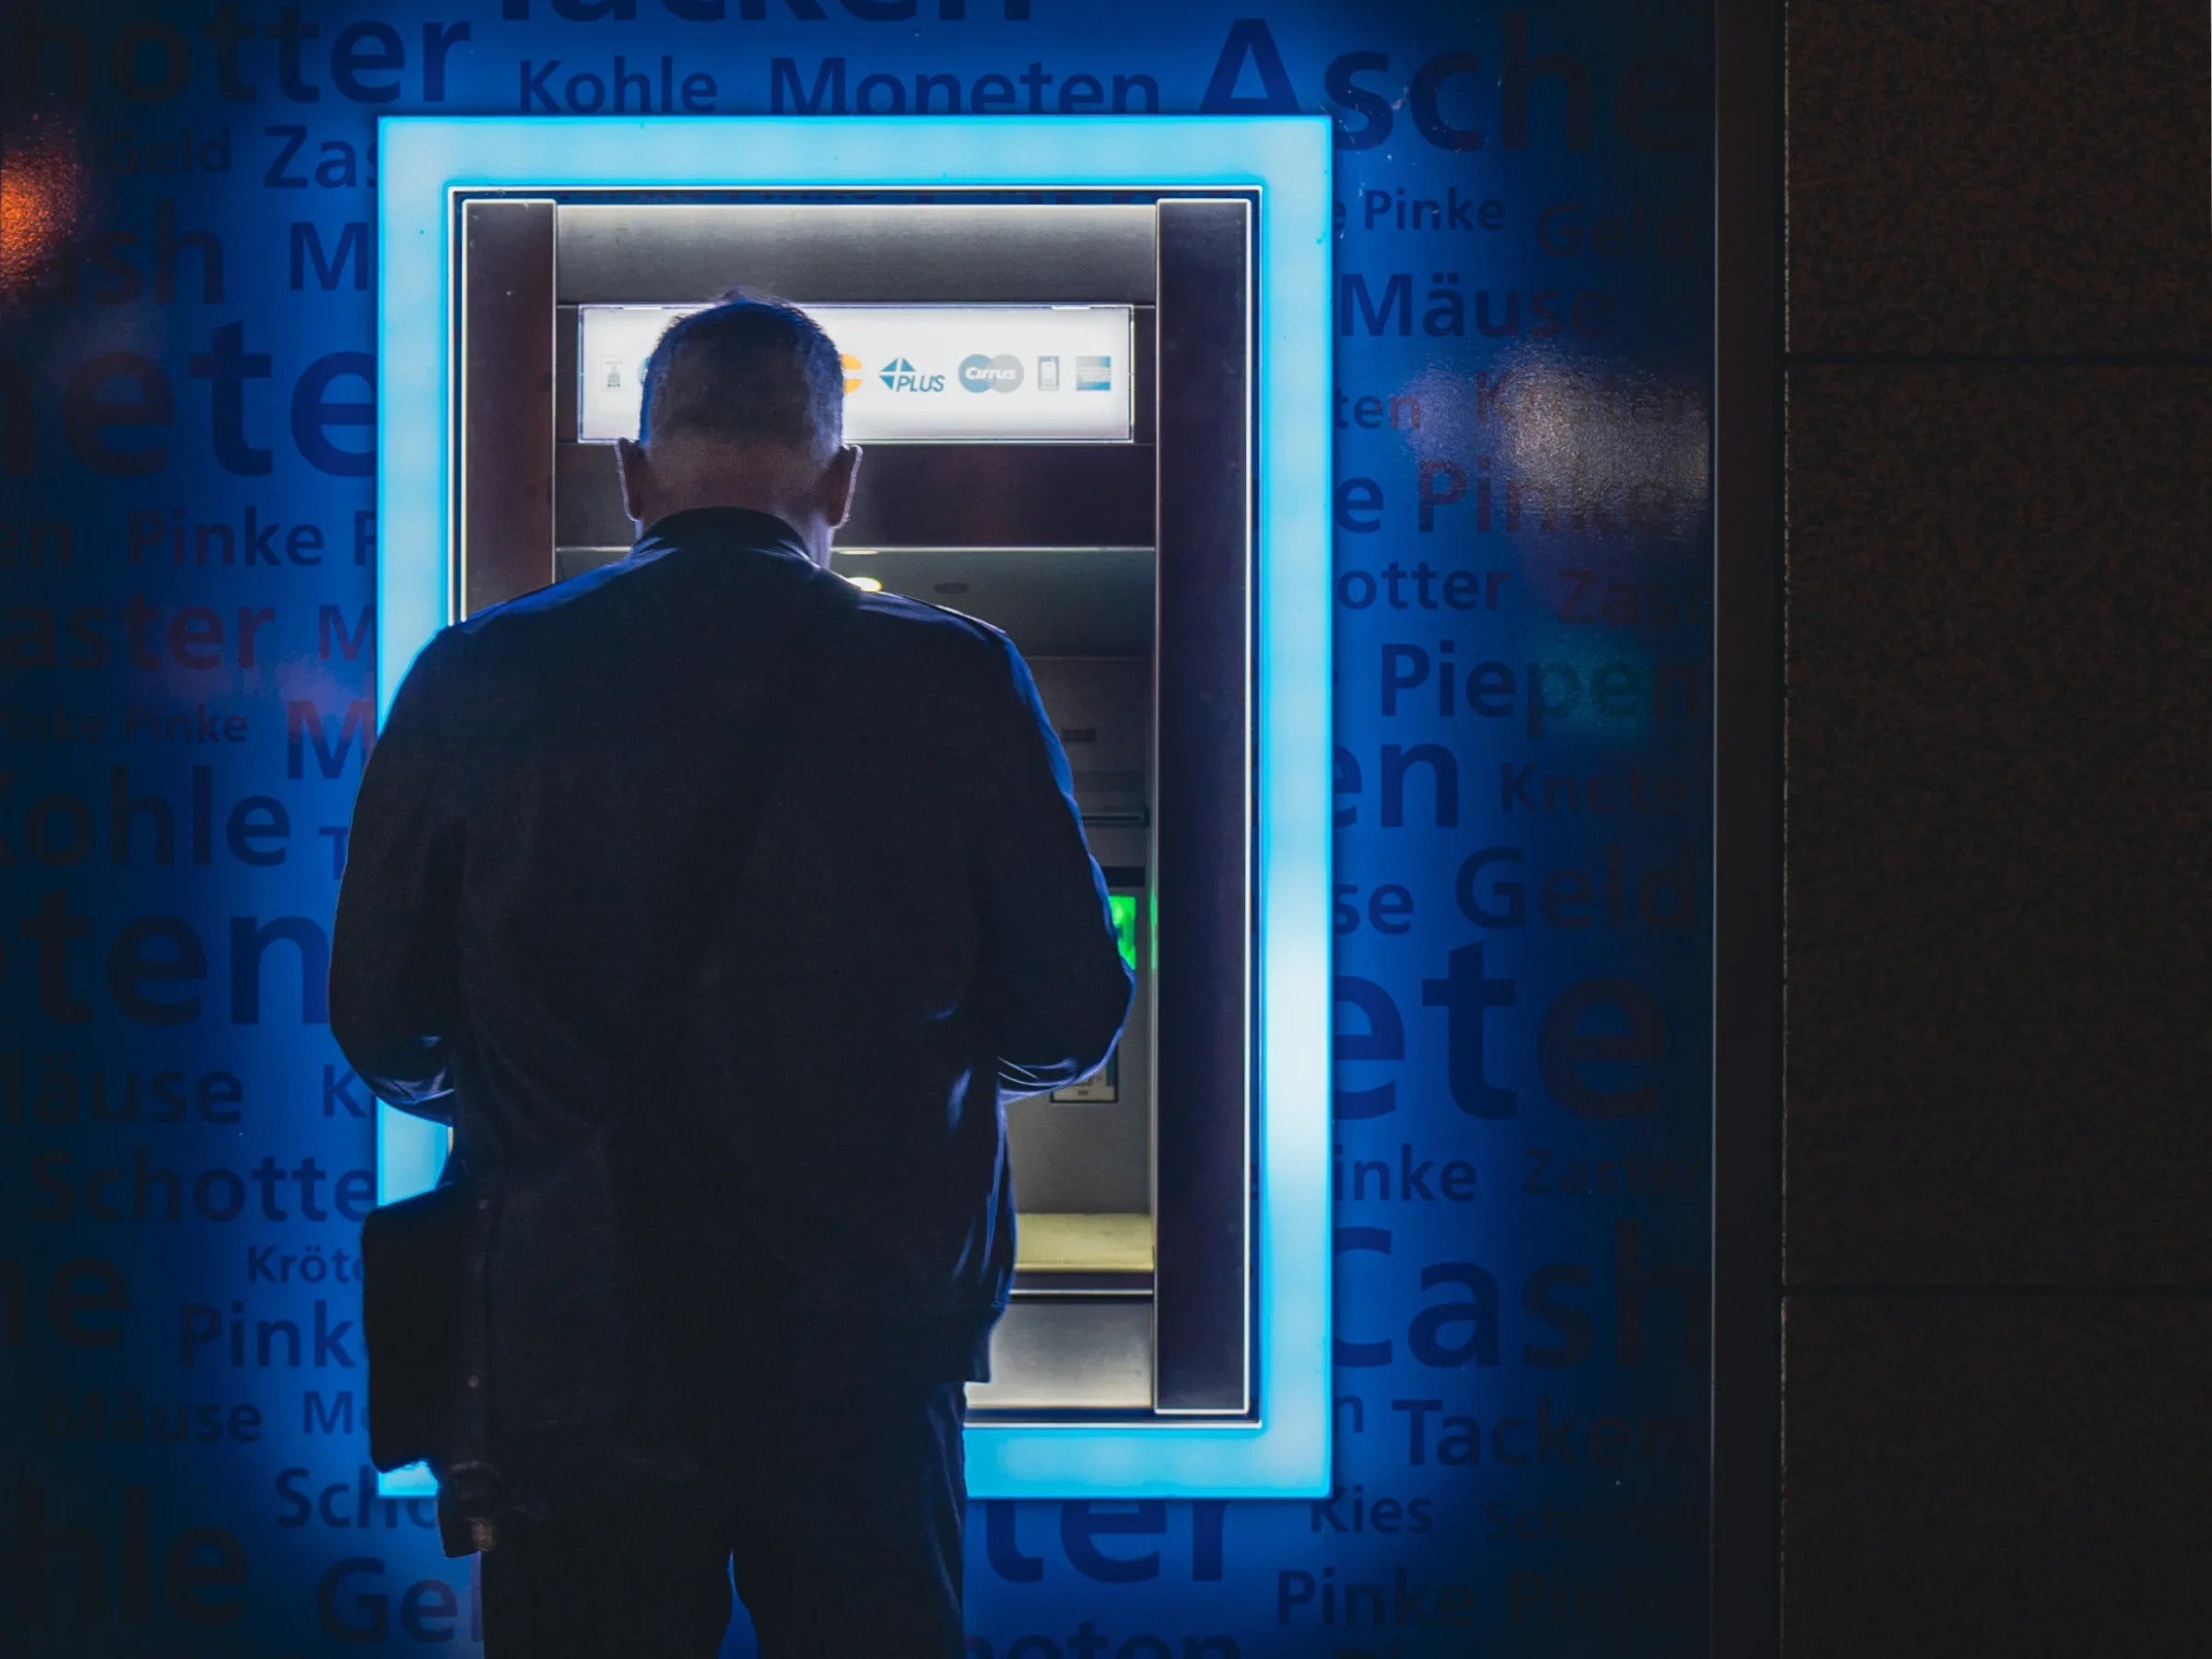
[(748, 370)]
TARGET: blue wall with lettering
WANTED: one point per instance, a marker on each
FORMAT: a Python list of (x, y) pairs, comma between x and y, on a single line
[(1521, 500)]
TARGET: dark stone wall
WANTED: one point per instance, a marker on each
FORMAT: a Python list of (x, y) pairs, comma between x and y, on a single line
[(1998, 1254)]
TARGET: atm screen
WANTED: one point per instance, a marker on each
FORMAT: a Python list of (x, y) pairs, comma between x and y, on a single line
[(1123, 906)]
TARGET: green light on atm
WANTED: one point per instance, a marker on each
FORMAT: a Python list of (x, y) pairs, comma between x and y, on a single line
[(1123, 906)]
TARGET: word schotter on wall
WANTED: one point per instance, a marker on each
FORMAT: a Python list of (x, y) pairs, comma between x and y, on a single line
[(1521, 505)]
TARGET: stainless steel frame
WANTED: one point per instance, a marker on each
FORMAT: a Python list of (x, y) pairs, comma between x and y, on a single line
[(832, 253), (505, 494), (1202, 802), (536, 504)]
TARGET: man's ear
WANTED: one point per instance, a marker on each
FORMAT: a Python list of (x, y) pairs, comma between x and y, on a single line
[(837, 485), (636, 471)]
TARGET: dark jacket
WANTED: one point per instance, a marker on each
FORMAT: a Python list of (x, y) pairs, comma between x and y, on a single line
[(921, 934)]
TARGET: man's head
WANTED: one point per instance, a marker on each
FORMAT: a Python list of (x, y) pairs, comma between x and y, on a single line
[(743, 406)]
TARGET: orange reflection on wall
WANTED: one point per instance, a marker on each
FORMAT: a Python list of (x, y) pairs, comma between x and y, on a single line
[(41, 192)]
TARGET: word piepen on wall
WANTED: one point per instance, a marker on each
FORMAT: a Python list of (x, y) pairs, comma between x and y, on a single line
[(1459, 1329)]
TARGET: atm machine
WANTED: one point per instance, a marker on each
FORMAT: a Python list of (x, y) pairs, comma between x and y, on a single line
[(1057, 394), (1055, 404)]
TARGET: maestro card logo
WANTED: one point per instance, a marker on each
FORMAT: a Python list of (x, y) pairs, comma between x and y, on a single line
[(1000, 373), (900, 376)]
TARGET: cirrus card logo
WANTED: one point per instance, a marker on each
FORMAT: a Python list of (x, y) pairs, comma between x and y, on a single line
[(983, 373)]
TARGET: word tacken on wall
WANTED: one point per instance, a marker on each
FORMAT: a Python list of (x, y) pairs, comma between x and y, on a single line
[(1521, 513)]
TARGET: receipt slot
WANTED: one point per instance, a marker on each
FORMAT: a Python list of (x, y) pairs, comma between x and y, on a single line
[(1093, 401)]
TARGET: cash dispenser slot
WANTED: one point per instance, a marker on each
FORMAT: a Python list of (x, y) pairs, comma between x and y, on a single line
[(1121, 568)]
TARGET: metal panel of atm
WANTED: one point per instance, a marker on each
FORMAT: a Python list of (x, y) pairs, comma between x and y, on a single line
[(1123, 571)]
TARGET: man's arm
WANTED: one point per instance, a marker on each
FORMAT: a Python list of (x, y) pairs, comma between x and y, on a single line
[(1054, 990), (394, 970)]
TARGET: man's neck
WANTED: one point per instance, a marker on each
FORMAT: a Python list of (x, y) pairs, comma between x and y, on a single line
[(813, 533)]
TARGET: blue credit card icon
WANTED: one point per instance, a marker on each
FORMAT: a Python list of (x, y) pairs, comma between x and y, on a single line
[(1094, 374)]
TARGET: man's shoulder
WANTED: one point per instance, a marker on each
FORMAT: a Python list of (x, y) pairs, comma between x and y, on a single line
[(943, 651), (930, 649), (517, 649), (559, 602), (582, 624), (916, 624)]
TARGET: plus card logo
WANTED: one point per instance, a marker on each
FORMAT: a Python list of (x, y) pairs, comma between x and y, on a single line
[(900, 376)]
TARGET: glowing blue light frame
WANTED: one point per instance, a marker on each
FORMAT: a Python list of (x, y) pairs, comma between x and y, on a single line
[(423, 159)]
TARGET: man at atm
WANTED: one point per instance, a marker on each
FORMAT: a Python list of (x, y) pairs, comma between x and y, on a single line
[(783, 887)]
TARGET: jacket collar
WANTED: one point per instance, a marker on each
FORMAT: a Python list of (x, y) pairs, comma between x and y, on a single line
[(720, 530)]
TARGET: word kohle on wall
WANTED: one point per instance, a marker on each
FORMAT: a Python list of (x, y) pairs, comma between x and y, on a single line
[(1519, 515)]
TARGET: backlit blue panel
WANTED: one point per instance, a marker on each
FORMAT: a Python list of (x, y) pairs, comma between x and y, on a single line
[(1287, 159)]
